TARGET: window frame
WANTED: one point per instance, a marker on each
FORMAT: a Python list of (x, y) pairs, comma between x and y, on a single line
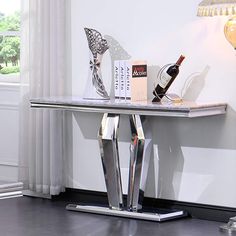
[(11, 78)]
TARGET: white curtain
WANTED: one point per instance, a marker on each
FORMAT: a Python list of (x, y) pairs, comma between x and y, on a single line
[(43, 70)]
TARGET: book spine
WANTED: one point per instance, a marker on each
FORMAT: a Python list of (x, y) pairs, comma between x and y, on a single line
[(128, 73), (122, 79), (117, 78)]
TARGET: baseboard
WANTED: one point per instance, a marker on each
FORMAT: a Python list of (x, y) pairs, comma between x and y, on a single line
[(195, 210)]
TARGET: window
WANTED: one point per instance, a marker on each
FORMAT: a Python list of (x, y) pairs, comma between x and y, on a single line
[(9, 40)]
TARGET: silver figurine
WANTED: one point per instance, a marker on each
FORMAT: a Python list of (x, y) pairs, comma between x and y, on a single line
[(95, 88)]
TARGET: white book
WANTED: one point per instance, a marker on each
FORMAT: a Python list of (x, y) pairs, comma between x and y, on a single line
[(122, 79), (117, 79), (128, 75)]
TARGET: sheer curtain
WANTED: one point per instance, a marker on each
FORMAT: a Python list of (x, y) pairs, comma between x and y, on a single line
[(43, 70)]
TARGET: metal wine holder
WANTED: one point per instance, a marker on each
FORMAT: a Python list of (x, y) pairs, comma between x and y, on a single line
[(158, 78), (172, 97), (95, 88)]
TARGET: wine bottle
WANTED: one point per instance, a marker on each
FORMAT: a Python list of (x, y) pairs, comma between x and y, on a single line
[(166, 79)]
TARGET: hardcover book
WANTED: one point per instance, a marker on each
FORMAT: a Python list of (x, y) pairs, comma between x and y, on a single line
[(139, 81), (130, 80)]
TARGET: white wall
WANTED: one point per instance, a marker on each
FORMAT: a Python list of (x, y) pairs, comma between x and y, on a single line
[(193, 159), (9, 127)]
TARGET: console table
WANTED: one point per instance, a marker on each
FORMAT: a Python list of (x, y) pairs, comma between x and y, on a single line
[(140, 146)]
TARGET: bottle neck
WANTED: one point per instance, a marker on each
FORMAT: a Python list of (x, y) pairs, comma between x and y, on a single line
[(180, 60)]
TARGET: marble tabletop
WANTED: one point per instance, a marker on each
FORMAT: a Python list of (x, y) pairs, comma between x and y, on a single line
[(118, 106)]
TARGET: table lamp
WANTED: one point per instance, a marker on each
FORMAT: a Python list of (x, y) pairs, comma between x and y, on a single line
[(223, 8)]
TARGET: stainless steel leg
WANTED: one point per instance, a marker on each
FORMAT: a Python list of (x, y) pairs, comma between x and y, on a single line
[(107, 137), (140, 150)]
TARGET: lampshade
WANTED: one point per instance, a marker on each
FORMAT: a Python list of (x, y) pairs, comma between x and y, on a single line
[(221, 8), (216, 7)]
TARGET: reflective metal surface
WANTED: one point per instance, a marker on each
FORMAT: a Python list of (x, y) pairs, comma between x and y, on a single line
[(127, 214), (107, 137), (140, 150), (230, 227), (95, 88)]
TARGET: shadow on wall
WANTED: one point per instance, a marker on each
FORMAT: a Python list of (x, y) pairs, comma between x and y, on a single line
[(117, 52), (167, 159), (88, 124), (194, 85), (152, 79), (167, 150), (171, 136)]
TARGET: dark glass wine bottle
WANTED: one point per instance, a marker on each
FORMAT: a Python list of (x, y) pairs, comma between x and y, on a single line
[(166, 79)]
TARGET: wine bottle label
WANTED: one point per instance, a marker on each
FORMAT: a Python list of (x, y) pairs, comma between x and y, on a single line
[(164, 80), (139, 71)]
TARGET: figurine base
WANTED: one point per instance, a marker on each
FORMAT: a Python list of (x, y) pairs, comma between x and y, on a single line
[(91, 93), (99, 98)]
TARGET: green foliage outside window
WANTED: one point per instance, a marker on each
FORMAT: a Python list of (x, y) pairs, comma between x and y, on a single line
[(9, 45), (10, 70)]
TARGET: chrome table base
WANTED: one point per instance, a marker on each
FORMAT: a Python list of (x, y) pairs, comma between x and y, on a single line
[(107, 138), (230, 227), (140, 150), (127, 214)]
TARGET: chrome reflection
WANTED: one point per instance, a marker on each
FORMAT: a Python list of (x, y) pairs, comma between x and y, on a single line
[(108, 143), (140, 150)]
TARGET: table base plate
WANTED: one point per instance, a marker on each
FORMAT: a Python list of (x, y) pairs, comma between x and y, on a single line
[(150, 216)]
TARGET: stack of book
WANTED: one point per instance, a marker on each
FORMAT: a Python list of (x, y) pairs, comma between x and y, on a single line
[(130, 80), (10, 189)]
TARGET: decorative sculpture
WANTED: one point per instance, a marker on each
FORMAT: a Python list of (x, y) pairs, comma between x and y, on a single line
[(95, 88)]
